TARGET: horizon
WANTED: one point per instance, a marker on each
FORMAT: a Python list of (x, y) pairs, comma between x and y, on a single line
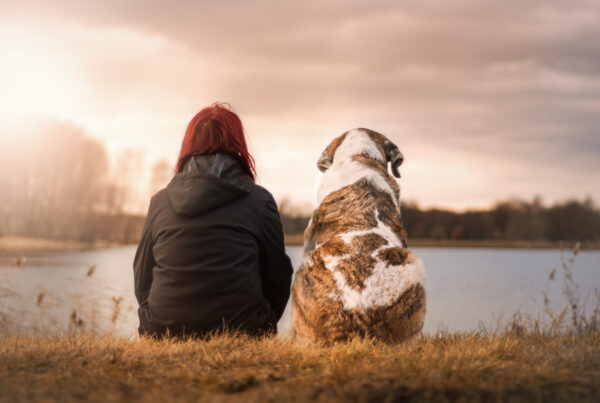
[(486, 103)]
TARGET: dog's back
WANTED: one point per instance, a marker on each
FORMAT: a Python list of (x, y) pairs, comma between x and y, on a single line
[(357, 276)]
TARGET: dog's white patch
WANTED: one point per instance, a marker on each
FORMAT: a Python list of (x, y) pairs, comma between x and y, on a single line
[(385, 284), (357, 141), (383, 287), (331, 262), (381, 229), (344, 171)]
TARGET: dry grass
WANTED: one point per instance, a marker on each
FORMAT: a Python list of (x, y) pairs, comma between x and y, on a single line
[(443, 367)]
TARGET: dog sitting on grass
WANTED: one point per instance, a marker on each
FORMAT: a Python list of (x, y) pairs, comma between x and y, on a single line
[(357, 277)]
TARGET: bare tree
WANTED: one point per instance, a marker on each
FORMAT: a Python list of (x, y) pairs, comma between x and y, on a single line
[(162, 172), (52, 176), (127, 178)]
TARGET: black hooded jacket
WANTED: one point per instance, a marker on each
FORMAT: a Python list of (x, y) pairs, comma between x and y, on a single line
[(211, 253)]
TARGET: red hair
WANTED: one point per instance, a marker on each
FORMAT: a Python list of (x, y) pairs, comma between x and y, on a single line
[(216, 129)]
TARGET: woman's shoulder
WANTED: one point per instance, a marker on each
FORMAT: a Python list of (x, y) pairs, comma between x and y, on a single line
[(159, 197), (262, 194), (258, 198)]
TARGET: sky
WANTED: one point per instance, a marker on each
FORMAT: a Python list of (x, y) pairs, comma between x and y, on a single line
[(487, 100)]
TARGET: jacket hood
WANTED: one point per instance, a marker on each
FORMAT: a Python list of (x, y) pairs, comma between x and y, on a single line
[(206, 182)]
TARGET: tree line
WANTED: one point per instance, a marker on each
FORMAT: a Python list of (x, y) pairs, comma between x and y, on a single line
[(58, 183), (508, 220)]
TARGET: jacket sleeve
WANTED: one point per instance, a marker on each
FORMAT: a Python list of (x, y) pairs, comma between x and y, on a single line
[(275, 266), (144, 263)]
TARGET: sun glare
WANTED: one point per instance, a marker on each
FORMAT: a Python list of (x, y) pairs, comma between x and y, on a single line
[(36, 77)]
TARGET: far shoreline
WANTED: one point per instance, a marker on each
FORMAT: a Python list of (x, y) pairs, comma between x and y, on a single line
[(20, 245), (297, 240)]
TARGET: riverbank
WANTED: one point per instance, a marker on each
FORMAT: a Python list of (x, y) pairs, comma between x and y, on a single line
[(297, 240), (442, 367), (501, 244), (13, 244)]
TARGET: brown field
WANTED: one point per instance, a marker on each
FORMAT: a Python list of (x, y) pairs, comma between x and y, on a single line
[(226, 368)]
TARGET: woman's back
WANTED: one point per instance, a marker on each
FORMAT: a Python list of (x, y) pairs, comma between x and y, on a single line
[(211, 253)]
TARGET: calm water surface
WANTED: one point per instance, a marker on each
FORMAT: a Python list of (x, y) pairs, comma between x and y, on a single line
[(465, 288)]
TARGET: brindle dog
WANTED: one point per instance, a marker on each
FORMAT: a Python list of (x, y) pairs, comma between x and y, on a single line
[(357, 276)]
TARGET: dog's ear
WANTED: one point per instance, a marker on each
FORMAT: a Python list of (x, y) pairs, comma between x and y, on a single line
[(326, 158), (394, 156)]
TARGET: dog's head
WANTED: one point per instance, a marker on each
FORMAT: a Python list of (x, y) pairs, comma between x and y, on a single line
[(362, 142)]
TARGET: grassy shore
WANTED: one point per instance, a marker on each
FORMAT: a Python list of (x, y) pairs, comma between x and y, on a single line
[(552, 358), (442, 368)]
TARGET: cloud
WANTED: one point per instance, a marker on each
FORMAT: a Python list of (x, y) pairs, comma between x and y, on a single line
[(503, 95)]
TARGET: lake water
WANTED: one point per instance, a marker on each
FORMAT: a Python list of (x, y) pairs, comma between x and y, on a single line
[(52, 292)]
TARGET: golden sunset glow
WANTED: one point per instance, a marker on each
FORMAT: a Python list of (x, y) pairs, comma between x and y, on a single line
[(34, 78), (486, 103)]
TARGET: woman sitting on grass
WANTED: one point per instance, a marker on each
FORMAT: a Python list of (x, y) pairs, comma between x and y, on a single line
[(211, 256)]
